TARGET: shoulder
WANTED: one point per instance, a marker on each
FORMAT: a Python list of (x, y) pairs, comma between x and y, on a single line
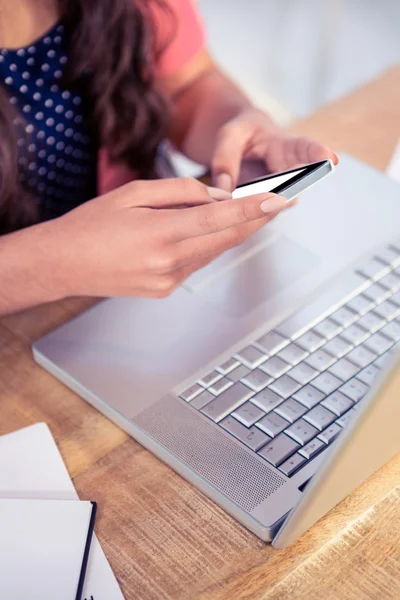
[(180, 33)]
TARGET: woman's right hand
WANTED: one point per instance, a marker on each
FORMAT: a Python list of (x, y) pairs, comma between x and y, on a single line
[(139, 241)]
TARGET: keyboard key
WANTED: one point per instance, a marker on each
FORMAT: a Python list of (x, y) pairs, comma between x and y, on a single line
[(343, 369), (292, 354), (309, 396), (267, 400), (376, 293), (310, 341), (239, 373), (248, 414), (250, 357), (368, 375), (330, 434), (355, 389), (371, 322), (291, 410), (391, 282), (382, 361), (303, 373), (253, 437), (272, 424), (220, 386), (279, 449), (345, 419), (389, 256), (228, 366), (292, 464), (275, 367), (395, 298), (285, 386), (320, 417), (378, 343), (272, 342), (326, 383), (387, 310), (227, 402), (328, 329), (337, 403), (396, 245), (302, 432), (312, 448), (190, 393), (346, 287), (392, 331), (320, 360), (361, 356), (338, 347), (344, 316), (355, 334), (373, 269), (200, 401), (360, 304), (210, 378), (257, 380)]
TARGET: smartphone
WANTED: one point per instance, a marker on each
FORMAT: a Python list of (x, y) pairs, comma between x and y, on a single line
[(288, 184)]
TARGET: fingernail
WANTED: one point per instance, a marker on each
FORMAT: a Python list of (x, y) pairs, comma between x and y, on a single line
[(224, 181), (218, 194), (336, 157), (273, 204)]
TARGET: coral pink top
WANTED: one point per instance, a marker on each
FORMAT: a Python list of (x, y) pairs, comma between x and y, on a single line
[(188, 40)]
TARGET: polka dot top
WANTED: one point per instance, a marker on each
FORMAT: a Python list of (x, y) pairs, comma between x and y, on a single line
[(57, 159)]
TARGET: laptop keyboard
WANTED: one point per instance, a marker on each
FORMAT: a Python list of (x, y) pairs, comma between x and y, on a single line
[(288, 395)]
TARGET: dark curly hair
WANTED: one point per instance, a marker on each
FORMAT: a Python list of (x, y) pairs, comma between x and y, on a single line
[(112, 52)]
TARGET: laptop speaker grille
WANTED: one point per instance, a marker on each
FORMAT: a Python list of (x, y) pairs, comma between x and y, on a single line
[(209, 452)]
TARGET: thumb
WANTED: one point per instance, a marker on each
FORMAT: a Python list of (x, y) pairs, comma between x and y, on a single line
[(227, 157)]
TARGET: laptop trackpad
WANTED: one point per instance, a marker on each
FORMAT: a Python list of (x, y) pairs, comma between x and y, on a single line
[(243, 285)]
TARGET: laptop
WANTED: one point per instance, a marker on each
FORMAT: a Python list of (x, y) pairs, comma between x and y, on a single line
[(264, 379)]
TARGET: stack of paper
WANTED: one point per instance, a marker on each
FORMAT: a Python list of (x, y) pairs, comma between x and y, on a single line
[(31, 467)]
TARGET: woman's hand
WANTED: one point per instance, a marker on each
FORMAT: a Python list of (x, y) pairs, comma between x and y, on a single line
[(253, 136), (134, 241)]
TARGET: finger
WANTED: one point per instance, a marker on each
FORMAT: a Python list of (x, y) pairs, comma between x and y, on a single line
[(275, 159), (301, 150), (167, 193), (228, 153), (205, 220), (215, 194), (205, 249)]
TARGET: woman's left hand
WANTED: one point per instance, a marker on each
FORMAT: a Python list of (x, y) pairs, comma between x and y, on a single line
[(254, 136)]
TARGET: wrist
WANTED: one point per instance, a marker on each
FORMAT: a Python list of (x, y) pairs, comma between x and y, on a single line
[(29, 268)]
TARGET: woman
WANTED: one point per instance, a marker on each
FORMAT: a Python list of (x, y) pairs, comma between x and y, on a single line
[(88, 89)]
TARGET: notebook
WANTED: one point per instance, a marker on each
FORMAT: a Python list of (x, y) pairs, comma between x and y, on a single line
[(44, 548), (31, 467)]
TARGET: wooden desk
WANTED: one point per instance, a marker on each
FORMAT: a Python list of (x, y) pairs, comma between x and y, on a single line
[(163, 538)]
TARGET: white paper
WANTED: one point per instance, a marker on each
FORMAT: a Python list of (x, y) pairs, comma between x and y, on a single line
[(43, 540), (31, 467), (393, 169)]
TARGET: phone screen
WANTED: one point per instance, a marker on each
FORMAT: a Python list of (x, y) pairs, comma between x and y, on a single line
[(267, 184)]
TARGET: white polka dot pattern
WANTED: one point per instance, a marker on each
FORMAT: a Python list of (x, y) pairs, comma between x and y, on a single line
[(57, 158)]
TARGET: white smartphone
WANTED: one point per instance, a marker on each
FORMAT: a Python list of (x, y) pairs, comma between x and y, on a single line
[(288, 184)]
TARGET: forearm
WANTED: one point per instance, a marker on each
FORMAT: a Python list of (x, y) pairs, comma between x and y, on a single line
[(29, 274)]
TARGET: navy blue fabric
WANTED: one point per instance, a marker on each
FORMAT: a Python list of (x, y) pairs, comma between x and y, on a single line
[(57, 156)]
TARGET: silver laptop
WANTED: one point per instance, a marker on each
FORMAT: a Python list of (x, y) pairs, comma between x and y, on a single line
[(264, 379)]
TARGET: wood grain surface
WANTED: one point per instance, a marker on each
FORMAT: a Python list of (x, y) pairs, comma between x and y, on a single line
[(165, 540)]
